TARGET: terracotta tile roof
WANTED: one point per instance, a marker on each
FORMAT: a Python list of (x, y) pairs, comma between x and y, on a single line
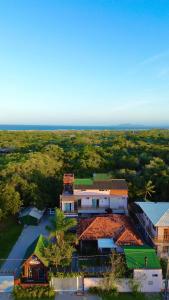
[(117, 227)]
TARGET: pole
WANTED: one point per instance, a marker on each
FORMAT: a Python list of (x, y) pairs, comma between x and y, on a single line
[(166, 280)]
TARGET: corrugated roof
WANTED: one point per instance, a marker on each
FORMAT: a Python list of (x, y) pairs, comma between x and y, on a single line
[(83, 181), (113, 184), (155, 211), (33, 212), (101, 176), (141, 257), (164, 220)]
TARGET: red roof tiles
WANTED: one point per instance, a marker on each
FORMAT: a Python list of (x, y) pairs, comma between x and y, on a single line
[(117, 227)]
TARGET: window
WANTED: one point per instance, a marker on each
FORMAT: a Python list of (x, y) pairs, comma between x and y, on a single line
[(67, 207), (150, 282), (154, 275), (166, 235)]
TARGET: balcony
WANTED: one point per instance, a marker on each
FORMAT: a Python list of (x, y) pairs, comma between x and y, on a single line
[(161, 240), (91, 209)]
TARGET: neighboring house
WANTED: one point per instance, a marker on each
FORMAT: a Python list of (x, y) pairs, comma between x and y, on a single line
[(94, 195), (30, 216), (154, 218), (107, 232), (145, 264), (34, 268)]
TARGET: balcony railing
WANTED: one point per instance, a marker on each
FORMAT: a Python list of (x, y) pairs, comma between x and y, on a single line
[(161, 239)]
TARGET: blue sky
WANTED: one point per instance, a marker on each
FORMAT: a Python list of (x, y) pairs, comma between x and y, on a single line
[(84, 62)]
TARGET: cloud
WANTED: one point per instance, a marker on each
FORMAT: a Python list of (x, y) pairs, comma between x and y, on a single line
[(149, 61), (154, 58)]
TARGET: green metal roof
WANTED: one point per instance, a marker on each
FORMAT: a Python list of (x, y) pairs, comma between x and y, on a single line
[(135, 257), (101, 176), (36, 249), (83, 181)]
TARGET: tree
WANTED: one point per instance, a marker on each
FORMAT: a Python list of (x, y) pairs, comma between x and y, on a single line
[(59, 253), (60, 225), (148, 190), (60, 249), (10, 201)]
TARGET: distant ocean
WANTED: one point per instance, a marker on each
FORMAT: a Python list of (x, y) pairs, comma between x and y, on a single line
[(69, 127)]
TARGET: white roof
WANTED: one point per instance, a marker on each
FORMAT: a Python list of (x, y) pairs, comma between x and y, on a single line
[(106, 243), (157, 212), (33, 212)]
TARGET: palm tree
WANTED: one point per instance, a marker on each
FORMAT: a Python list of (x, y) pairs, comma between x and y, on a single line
[(59, 227), (149, 189)]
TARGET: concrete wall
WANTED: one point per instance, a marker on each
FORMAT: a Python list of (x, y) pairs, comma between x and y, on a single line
[(89, 192), (122, 284), (151, 280), (147, 283)]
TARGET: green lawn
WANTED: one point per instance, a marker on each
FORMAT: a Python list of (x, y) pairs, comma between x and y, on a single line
[(9, 233), (127, 296)]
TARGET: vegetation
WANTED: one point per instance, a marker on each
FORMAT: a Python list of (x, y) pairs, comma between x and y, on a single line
[(59, 251), (9, 233), (32, 168), (36, 292)]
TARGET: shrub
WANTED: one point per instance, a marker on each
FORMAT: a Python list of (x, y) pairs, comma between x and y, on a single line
[(36, 292)]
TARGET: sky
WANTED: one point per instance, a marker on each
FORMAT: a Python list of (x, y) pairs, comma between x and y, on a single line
[(84, 62)]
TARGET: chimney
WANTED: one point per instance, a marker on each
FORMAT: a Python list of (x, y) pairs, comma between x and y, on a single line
[(145, 261)]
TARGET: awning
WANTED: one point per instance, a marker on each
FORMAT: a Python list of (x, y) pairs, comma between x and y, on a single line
[(106, 243)]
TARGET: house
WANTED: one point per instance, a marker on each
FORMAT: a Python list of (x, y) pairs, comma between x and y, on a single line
[(30, 216), (146, 268), (107, 232), (154, 219), (34, 268), (94, 195)]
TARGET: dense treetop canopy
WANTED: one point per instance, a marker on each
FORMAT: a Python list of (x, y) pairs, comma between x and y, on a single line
[(32, 164)]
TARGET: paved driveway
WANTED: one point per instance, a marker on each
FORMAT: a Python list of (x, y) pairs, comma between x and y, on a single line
[(28, 235)]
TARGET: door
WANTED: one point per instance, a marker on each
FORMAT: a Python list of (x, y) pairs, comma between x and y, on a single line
[(95, 203)]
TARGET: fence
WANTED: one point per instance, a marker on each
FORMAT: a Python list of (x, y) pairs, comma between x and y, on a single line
[(67, 284), (126, 285)]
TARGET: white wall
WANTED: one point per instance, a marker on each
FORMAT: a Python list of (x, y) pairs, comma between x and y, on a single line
[(125, 284), (118, 202), (91, 192), (151, 280)]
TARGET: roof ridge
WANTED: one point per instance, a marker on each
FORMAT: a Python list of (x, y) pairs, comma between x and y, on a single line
[(93, 221)]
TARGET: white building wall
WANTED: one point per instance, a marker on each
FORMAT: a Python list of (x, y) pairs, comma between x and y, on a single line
[(118, 202), (89, 192), (86, 202), (152, 284), (150, 280)]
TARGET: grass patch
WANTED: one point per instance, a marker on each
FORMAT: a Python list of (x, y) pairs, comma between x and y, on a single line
[(9, 233)]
